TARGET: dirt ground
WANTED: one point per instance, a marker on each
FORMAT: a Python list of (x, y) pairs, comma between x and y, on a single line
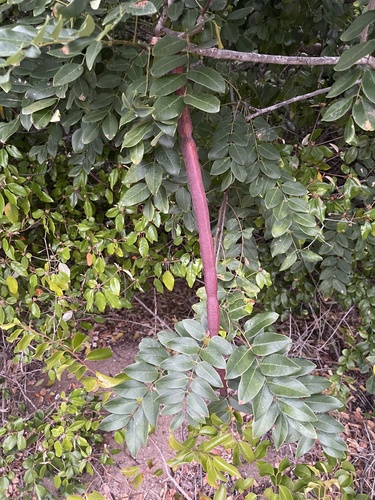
[(123, 330)]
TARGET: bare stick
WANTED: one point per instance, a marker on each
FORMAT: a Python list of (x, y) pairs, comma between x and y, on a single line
[(287, 102), (169, 475), (254, 57), (220, 225), (163, 323)]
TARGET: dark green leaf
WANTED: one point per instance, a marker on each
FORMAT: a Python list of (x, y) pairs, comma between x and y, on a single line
[(67, 73), (277, 365), (206, 371), (136, 194), (337, 109), (143, 372), (297, 410), (258, 322), (321, 403), (167, 85), (288, 387), (136, 432), (167, 108), (121, 406), (358, 25), (269, 343), (250, 384), (207, 77), (165, 65), (168, 46), (352, 55), (136, 134), (264, 424), (239, 361), (345, 82), (205, 102)]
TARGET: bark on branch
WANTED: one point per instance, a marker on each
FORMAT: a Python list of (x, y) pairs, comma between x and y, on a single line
[(254, 57)]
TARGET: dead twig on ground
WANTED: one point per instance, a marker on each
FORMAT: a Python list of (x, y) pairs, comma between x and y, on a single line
[(168, 474)]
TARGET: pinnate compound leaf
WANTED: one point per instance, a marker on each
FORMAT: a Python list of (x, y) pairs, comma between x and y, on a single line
[(136, 432), (358, 25), (338, 109), (92, 51), (114, 422), (38, 105), (135, 195), (328, 424), (168, 107), (136, 134), (352, 55), (296, 410), (167, 85), (280, 227), (168, 46), (192, 327), (121, 406), (262, 402), (208, 372), (184, 345), (305, 429), (288, 387), (277, 365), (304, 446), (239, 361), (258, 322), (280, 431), (250, 384), (207, 77), (166, 64), (264, 424), (269, 343), (201, 387), (67, 73), (321, 403), (345, 82), (289, 261), (151, 408), (205, 102), (143, 372)]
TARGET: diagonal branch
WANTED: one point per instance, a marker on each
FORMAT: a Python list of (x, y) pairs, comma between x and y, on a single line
[(282, 104), (254, 57)]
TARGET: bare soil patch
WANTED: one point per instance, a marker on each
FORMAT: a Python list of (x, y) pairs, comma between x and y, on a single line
[(316, 337)]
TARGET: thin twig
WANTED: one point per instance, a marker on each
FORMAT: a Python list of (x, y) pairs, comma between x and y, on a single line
[(169, 475), (282, 104), (220, 226), (162, 322), (163, 17)]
